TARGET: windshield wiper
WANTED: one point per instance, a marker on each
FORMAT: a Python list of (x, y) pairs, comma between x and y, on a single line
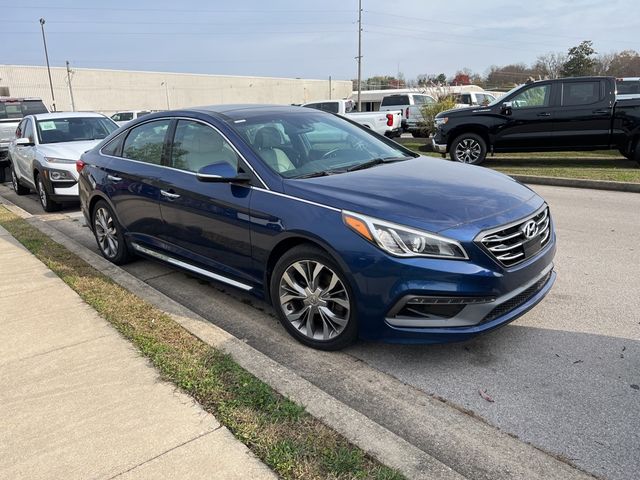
[(321, 173), (375, 161)]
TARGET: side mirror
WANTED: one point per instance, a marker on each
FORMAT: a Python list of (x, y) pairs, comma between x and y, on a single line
[(24, 142), (221, 172), (506, 108)]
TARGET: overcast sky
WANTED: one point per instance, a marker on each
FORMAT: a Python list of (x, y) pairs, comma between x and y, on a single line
[(289, 38)]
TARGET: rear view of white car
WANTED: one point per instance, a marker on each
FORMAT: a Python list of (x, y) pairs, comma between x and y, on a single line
[(44, 151)]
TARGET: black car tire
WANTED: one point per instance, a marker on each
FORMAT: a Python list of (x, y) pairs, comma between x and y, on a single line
[(104, 222), (19, 189), (314, 256), (468, 148), (48, 205)]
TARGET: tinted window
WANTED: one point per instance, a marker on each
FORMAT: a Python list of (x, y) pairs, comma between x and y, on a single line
[(537, 96), (580, 93), (628, 87), (395, 100), (196, 145), (142, 114), (114, 146), (74, 129), (422, 99), (145, 142), (21, 108), (317, 106), (28, 130), (330, 107)]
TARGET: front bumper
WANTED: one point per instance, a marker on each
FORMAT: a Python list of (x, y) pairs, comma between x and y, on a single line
[(438, 147)]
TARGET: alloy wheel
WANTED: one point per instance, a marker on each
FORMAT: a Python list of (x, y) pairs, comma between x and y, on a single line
[(468, 150), (42, 193), (106, 233), (314, 300), (14, 181)]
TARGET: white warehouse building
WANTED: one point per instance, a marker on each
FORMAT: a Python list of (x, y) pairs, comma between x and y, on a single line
[(109, 91)]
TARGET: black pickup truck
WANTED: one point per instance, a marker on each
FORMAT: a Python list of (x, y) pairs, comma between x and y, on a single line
[(575, 114)]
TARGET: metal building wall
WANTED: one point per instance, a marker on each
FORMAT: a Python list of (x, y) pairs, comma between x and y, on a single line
[(109, 91)]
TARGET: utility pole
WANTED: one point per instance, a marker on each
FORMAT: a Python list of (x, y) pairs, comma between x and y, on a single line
[(359, 53), (166, 92), (73, 104), (46, 54)]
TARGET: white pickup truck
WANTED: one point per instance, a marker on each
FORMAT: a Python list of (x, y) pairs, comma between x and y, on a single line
[(385, 123), (473, 99)]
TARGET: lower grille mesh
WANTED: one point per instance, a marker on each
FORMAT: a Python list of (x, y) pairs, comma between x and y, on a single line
[(518, 300)]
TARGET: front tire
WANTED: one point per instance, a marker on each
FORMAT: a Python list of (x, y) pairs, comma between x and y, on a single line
[(313, 299), (469, 148), (15, 183), (48, 205), (109, 234)]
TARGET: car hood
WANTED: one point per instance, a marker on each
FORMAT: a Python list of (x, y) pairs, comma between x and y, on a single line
[(67, 150), (424, 192)]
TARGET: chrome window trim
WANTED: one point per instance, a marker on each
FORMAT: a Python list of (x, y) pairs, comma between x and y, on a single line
[(178, 169), (188, 266), (284, 195)]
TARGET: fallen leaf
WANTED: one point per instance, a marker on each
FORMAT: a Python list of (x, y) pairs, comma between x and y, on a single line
[(577, 361), (484, 395)]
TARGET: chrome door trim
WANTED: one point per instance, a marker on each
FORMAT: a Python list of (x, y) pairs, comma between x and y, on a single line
[(192, 268), (284, 195)]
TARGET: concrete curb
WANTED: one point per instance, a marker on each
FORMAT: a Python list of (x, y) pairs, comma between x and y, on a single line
[(579, 183), (377, 441)]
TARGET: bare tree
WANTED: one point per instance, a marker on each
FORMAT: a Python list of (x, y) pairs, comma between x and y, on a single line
[(549, 65)]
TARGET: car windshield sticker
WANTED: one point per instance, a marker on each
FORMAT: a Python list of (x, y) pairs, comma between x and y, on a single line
[(47, 125)]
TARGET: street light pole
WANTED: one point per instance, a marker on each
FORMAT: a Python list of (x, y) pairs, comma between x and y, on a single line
[(359, 53), (46, 55), (73, 104)]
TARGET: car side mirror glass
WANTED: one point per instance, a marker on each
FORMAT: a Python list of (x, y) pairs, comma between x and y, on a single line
[(506, 108), (221, 172), (24, 142)]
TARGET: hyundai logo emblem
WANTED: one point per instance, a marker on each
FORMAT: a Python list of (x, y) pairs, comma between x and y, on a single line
[(530, 229)]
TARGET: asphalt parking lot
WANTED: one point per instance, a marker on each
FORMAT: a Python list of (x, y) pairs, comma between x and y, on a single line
[(563, 377)]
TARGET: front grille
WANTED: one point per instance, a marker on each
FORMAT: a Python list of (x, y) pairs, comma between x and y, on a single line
[(515, 243), (518, 300)]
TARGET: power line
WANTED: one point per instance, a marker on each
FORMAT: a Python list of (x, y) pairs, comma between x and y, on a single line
[(198, 10)]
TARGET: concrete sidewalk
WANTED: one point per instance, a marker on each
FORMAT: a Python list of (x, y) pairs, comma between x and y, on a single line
[(78, 401)]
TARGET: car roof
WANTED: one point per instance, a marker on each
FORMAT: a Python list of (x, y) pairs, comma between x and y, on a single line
[(246, 110), (58, 115)]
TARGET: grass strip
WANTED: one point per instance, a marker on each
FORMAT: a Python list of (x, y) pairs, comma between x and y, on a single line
[(280, 432), (604, 165)]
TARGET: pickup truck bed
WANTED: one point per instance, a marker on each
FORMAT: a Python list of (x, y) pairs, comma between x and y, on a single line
[(570, 114)]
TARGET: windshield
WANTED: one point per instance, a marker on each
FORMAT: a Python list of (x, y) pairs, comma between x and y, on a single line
[(74, 129), (313, 143), (500, 99), (20, 108)]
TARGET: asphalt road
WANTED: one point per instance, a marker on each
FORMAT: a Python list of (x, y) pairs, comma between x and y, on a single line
[(564, 377)]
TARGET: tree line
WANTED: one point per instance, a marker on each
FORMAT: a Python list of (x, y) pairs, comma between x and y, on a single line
[(579, 60)]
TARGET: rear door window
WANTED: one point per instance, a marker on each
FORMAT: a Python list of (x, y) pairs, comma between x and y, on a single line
[(145, 143), (393, 100), (580, 93), (331, 107)]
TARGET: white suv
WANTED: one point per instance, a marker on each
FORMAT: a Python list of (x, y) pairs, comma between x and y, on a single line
[(45, 149)]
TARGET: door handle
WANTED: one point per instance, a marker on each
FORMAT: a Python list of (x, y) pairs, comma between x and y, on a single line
[(169, 195), (601, 112), (544, 114), (114, 178)]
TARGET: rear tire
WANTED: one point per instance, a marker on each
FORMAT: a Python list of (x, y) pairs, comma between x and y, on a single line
[(313, 299), (15, 183), (468, 148), (109, 234), (48, 205)]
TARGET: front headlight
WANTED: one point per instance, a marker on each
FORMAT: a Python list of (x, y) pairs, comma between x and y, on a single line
[(441, 121), (61, 176), (403, 241), (59, 160)]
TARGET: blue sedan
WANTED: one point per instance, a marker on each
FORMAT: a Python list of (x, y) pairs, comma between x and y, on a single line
[(345, 232)]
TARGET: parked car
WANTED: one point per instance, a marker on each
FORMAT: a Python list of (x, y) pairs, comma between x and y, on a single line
[(346, 232), (12, 110), (122, 118), (574, 114), (627, 88), (44, 151), (403, 102), (473, 99), (385, 123)]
